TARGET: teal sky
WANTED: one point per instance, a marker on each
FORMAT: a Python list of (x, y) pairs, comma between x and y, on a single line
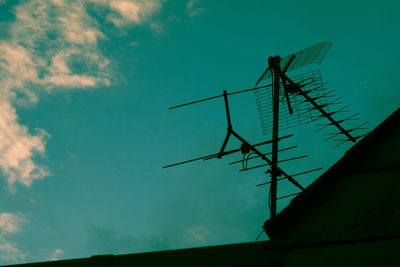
[(85, 126)]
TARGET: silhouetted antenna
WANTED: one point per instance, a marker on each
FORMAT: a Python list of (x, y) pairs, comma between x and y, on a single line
[(284, 103)]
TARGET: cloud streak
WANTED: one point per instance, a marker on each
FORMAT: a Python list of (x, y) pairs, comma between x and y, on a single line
[(192, 10)]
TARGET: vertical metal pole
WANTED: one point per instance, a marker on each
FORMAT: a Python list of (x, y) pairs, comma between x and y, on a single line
[(275, 66)]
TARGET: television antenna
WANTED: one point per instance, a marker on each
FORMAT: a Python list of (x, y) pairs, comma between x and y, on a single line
[(299, 94)]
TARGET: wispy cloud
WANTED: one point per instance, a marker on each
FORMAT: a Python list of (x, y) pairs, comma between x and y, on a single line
[(196, 235), (55, 254), (129, 12), (10, 223), (106, 240), (44, 38), (134, 43), (47, 41), (192, 10), (157, 26)]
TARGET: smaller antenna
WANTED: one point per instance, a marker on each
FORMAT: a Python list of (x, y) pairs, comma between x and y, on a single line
[(245, 148)]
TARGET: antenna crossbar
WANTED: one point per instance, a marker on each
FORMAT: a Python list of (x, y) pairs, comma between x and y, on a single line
[(218, 96)]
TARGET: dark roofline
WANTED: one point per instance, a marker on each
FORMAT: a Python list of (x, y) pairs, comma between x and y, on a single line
[(262, 253), (306, 199), (241, 254)]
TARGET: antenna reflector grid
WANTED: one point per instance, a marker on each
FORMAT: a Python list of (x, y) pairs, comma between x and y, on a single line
[(313, 54), (303, 111)]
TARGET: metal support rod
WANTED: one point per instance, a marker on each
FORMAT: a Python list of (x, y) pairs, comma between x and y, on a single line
[(228, 119), (221, 152), (228, 114), (295, 194)]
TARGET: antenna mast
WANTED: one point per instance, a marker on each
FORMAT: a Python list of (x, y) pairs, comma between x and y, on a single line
[(275, 66)]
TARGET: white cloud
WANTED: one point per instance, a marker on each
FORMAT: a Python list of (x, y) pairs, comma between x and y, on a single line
[(55, 254), (10, 252), (10, 223), (16, 60), (45, 38), (192, 10), (127, 9), (17, 147), (129, 12)]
